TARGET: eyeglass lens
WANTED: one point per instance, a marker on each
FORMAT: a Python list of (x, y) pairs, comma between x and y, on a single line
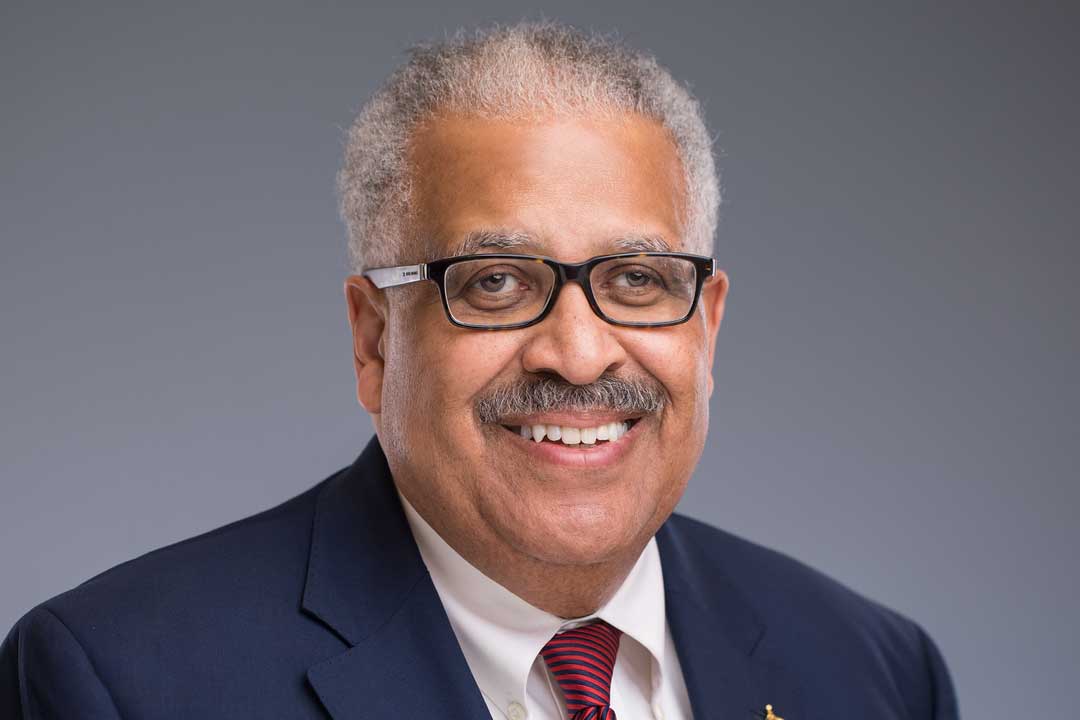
[(506, 291)]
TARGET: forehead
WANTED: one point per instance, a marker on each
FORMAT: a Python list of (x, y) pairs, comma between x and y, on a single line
[(500, 240), (568, 187)]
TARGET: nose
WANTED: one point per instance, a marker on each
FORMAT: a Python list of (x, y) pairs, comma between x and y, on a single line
[(572, 341)]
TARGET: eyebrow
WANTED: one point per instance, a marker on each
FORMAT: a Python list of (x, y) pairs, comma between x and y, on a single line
[(643, 243), (480, 240)]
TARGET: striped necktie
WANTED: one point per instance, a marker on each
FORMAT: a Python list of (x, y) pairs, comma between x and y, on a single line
[(581, 661)]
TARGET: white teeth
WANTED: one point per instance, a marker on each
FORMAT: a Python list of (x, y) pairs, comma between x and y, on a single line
[(573, 435)]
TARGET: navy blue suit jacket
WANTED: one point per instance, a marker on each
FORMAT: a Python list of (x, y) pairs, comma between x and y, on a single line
[(322, 607)]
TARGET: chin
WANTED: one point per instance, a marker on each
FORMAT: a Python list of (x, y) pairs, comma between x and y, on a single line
[(581, 538)]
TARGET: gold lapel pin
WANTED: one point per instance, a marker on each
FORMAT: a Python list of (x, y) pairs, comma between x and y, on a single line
[(769, 714)]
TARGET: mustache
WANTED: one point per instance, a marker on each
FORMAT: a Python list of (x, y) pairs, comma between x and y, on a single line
[(631, 396)]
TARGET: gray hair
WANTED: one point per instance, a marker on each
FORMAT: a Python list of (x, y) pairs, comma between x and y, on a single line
[(553, 394), (524, 69)]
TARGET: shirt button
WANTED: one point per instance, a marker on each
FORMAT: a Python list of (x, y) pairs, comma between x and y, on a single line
[(516, 711), (657, 711)]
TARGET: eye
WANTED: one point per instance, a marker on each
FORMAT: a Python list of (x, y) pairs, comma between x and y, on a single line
[(634, 278), (498, 282)]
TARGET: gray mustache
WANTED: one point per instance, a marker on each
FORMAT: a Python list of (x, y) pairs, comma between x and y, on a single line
[(547, 394)]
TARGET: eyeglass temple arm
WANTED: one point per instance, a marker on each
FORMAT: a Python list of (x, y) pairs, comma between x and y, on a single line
[(400, 275)]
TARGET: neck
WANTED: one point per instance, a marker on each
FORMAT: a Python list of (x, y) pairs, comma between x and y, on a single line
[(565, 590)]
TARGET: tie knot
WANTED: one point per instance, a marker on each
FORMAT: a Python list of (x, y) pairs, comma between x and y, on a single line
[(581, 660)]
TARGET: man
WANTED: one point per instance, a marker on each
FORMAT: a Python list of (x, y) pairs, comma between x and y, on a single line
[(534, 316)]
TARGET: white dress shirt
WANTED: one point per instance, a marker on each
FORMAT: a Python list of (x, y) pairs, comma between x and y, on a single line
[(501, 636)]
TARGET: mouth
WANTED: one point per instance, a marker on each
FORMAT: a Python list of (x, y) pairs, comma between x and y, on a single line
[(571, 435)]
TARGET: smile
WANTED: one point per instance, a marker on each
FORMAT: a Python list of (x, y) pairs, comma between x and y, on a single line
[(570, 435)]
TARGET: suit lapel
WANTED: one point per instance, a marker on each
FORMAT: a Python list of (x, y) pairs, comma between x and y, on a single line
[(728, 670), (367, 582)]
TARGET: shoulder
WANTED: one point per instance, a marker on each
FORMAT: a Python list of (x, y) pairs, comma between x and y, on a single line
[(254, 556), (215, 584), (159, 625), (765, 574), (812, 620), (775, 583)]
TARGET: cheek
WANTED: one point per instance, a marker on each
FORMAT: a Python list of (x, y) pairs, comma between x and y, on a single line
[(680, 363), (436, 371), (470, 360)]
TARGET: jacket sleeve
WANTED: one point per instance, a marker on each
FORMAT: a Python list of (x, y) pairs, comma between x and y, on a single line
[(46, 675), (942, 693)]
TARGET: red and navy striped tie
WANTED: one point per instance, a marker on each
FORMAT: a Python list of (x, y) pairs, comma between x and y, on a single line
[(582, 660)]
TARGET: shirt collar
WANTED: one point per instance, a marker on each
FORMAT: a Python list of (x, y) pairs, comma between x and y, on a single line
[(500, 634)]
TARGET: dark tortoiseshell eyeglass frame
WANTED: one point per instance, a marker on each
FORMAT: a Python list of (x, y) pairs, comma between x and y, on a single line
[(564, 273)]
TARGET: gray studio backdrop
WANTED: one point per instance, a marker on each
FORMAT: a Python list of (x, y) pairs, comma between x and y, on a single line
[(896, 378)]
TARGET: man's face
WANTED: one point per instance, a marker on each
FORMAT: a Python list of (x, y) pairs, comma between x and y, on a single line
[(574, 188)]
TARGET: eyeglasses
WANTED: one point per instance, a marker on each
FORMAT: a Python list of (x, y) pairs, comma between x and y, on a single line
[(498, 291)]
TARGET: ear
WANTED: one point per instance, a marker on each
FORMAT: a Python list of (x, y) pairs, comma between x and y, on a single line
[(713, 296), (367, 318)]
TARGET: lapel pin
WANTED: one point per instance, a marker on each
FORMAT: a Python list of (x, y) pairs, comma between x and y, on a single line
[(769, 714)]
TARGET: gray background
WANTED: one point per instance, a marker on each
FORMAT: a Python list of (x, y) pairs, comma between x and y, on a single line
[(897, 383)]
